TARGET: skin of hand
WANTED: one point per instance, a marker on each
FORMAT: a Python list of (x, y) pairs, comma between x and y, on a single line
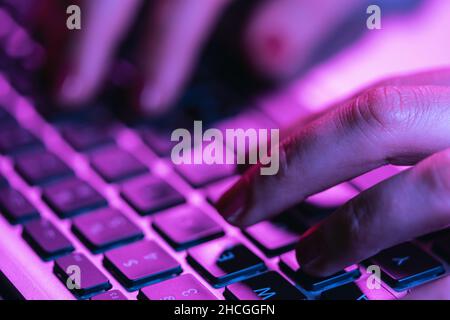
[(401, 121), (278, 39)]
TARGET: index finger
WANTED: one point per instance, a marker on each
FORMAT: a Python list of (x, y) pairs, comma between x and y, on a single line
[(104, 23), (380, 126)]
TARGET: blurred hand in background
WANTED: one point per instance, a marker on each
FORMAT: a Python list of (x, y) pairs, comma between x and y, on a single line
[(277, 40)]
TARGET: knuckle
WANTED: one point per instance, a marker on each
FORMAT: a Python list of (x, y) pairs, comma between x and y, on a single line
[(289, 151), (388, 107)]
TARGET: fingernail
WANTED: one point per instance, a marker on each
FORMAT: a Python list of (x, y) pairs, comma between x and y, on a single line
[(307, 251), (71, 89), (151, 99), (232, 205)]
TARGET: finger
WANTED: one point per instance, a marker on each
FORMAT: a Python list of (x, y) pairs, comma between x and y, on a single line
[(104, 24), (352, 233), (282, 35), (176, 34), (436, 77), (383, 125), (436, 290)]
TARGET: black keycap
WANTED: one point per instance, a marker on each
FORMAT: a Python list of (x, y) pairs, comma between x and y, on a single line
[(321, 205), (289, 265), (199, 175), (267, 286), (224, 261), (71, 197), (85, 137), (140, 263), (371, 178), (46, 240), (273, 237), (349, 291), (184, 227), (158, 142), (41, 167), (114, 164), (73, 267), (104, 229), (433, 236), (441, 244), (14, 139), (405, 266), (15, 207), (184, 287), (149, 194), (110, 295)]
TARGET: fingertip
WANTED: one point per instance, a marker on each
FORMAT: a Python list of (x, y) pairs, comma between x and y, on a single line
[(71, 91), (272, 42), (153, 101), (304, 252), (310, 255), (234, 204), (74, 87)]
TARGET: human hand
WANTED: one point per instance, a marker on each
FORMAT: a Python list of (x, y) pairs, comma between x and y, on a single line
[(401, 121), (278, 39)]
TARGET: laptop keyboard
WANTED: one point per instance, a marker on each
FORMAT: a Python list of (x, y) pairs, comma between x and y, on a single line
[(104, 197)]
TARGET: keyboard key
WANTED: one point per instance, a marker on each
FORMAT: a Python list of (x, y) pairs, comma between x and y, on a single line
[(273, 237), (84, 137), (321, 205), (110, 295), (349, 291), (184, 287), (184, 227), (141, 263), (289, 265), (441, 244), (46, 240), (374, 177), (224, 261), (41, 167), (405, 266), (149, 194), (158, 142), (114, 164), (91, 280), (267, 286), (15, 207), (71, 197), (199, 175), (433, 236), (104, 229), (14, 139)]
